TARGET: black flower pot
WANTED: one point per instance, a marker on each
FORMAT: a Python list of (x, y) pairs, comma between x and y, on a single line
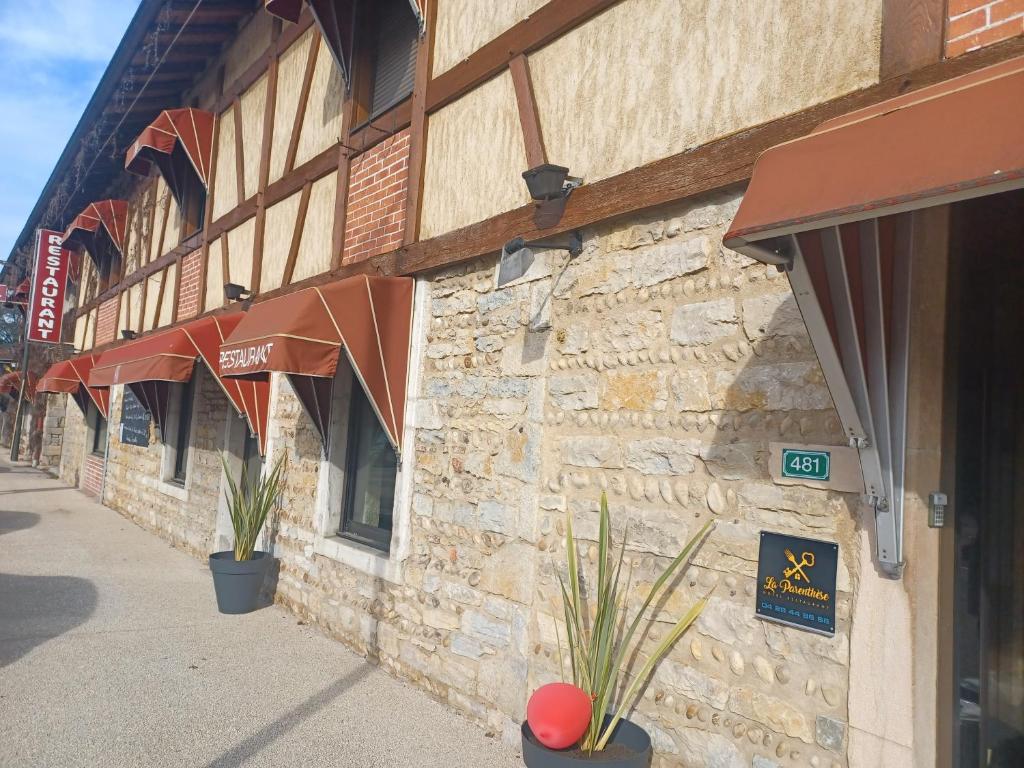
[(629, 747), (238, 582)]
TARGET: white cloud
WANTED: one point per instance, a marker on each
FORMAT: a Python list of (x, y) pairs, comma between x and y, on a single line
[(52, 54)]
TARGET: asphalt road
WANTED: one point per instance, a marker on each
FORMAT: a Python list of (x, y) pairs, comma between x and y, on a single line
[(112, 653)]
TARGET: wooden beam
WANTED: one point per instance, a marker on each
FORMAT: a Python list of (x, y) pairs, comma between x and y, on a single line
[(913, 34), (297, 230), (255, 71), (533, 136), (549, 22), (706, 168), (418, 132), (300, 110)]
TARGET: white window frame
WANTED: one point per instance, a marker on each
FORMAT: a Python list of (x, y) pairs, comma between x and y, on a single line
[(166, 482), (330, 493)]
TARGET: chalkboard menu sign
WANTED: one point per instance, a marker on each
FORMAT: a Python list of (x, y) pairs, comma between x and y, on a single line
[(796, 582), (134, 420)]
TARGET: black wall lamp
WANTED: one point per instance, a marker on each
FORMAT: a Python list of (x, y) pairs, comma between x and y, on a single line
[(550, 185), (128, 333), (517, 254), (234, 291)]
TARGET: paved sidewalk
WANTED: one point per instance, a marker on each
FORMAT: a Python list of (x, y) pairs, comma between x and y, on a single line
[(112, 653)]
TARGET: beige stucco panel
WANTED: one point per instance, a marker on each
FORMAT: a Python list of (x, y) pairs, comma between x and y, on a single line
[(152, 292), (251, 42), (315, 247), (169, 298), (289, 84), (134, 303), (240, 245), (214, 277), (650, 78), (80, 324), (475, 159), (463, 26), (321, 125), (225, 188), (277, 240), (253, 103)]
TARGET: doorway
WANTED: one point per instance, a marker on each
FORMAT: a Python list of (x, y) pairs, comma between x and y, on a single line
[(988, 323)]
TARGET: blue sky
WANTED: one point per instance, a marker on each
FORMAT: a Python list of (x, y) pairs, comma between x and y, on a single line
[(52, 54)]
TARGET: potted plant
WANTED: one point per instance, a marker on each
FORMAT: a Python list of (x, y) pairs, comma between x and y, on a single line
[(238, 574), (570, 725)]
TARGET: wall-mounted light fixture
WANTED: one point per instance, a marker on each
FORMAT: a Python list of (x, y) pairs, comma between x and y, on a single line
[(128, 333), (550, 185), (234, 291), (517, 254)]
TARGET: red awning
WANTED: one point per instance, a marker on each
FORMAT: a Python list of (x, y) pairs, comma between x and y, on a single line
[(835, 210), (10, 383), (289, 10), (951, 141), (72, 376), (112, 215), (302, 334), (191, 129), (336, 20), (149, 363)]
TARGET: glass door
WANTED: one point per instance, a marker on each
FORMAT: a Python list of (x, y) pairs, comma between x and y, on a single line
[(989, 503)]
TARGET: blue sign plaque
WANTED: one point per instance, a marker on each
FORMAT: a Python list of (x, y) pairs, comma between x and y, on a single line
[(796, 582)]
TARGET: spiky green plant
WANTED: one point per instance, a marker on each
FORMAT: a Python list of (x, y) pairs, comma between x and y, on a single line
[(601, 639), (249, 503)]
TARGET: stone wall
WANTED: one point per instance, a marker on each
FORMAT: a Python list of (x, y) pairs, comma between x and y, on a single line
[(656, 367), (53, 432), (72, 452), (186, 516)]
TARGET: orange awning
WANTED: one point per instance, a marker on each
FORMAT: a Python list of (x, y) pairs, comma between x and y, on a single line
[(191, 129), (835, 210), (72, 376), (150, 363), (302, 334), (112, 215)]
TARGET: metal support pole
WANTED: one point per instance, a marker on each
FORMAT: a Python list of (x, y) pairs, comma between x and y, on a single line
[(16, 437)]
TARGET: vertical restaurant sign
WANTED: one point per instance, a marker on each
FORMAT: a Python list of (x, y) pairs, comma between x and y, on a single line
[(796, 582), (49, 284)]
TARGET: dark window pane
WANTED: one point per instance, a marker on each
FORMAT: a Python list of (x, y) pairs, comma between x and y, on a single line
[(394, 55), (184, 428), (252, 462), (99, 430), (372, 467)]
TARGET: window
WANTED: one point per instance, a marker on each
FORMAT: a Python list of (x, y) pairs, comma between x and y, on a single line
[(187, 189), (181, 428), (98, 428), (371, 469), (252, 462), (386, 62)]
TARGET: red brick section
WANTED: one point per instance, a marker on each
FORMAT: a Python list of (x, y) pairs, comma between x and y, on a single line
[(92, 475), (106, 321), (377, 191), (188, 286), (977, 23)]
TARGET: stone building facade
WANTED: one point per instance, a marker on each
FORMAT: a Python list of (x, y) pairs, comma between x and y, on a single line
[(656, 366)]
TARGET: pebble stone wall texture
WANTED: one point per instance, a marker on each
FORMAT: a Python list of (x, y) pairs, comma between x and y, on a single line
[(53, 431), (72, 452), (135, 488), (656, 366)]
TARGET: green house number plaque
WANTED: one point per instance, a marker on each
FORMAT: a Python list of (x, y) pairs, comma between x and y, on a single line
[(805, 465)]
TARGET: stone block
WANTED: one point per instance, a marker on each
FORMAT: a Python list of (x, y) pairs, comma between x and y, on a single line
[(592, 451), (668, 260), (635, 391), (662, 456), (773, 314), (573, 391), (776, 387), (690, 390), (829, 733), (704, 322), (482, 626)]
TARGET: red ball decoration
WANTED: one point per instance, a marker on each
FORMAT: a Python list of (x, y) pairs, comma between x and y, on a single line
[(558, 714)]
